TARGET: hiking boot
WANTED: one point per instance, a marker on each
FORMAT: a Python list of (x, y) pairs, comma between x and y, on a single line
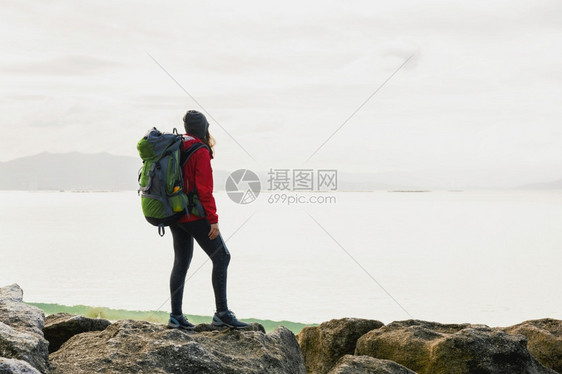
[(180, 322), (227, 318)]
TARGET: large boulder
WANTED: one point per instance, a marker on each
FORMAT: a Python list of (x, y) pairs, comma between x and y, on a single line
[(324, 344), (544, 340), (350, 364), (429, 347), (13, 366), (21, 330), (18, 315), (142, 347), (60, 327)]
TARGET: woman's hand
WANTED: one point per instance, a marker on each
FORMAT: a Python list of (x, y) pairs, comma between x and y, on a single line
[(214, 232)]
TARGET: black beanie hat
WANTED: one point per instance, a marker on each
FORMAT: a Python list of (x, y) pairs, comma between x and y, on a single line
[(195, 123)]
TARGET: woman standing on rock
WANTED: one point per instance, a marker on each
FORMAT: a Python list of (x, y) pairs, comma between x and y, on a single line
[(197, 172)]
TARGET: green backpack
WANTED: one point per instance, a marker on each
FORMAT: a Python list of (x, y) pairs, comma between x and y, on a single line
[(161, 182)]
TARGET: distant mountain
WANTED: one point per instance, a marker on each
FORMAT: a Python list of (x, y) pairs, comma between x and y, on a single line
[(103, 171), (554, 185), (70, 171)]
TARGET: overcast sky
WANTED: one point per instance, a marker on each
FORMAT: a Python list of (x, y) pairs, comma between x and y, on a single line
[(479, 103)]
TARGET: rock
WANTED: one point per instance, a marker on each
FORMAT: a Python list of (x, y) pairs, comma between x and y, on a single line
[(18, 315), (12, 366), (21, 325), (202, 327), (350, 364), (12, 292), (323, 345), (544, 340), (62, 326), (429, 347), (23, 346), (143, 347)]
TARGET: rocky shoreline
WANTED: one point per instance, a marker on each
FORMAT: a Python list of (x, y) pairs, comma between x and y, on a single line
[(65, 343), (353, 345)]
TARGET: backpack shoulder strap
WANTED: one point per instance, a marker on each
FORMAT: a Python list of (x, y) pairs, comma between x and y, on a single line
[(190, 151)]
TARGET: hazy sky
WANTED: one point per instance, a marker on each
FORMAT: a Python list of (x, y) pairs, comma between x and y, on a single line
[(479, 103)]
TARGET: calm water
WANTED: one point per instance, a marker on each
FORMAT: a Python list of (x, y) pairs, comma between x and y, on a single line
[(489, 257)]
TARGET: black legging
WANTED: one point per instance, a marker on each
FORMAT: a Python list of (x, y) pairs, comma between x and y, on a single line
[(183, 234)]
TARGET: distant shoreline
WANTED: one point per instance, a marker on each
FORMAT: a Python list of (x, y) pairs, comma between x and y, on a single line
[(153, 316), (412, 191)]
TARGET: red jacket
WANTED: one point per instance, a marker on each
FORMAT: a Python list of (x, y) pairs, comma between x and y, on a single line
[(198, 172)]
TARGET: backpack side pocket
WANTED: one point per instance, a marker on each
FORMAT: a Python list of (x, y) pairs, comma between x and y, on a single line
[(195, 206)]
